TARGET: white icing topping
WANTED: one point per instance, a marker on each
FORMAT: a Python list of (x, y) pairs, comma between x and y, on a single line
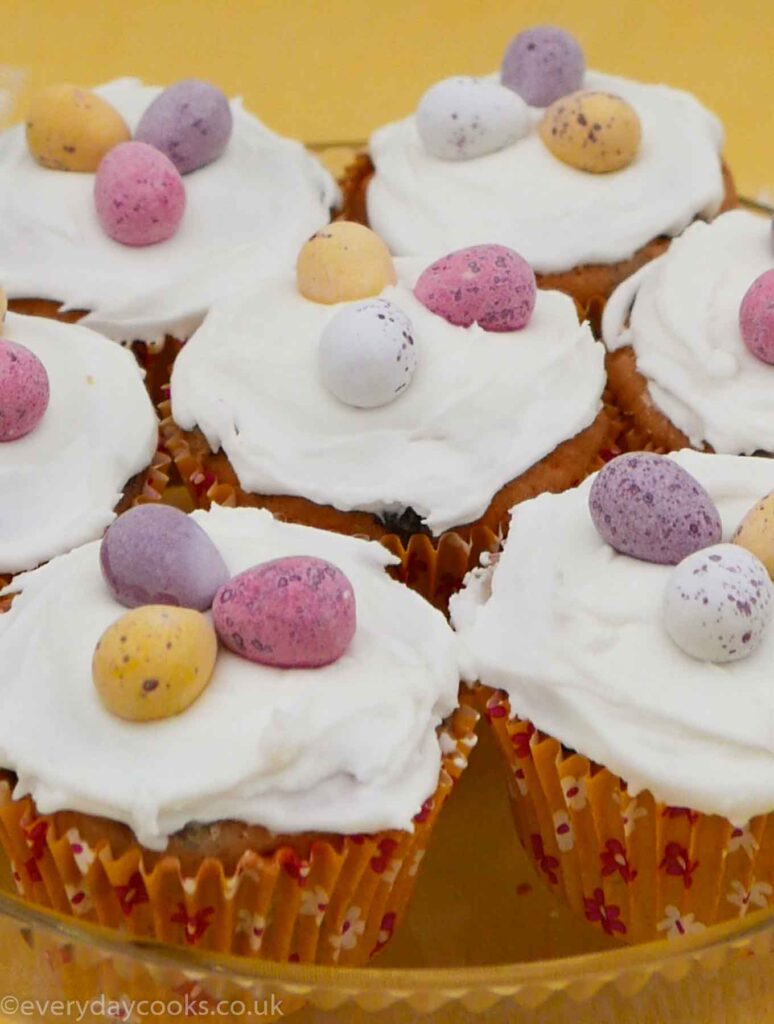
[(574, 633), (59, 484), (481, 409), (247, 213), (555, 216), (347, 748), (684, 328)]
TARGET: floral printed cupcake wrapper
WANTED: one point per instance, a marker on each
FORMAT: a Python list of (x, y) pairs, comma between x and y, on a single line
[(636, 868)]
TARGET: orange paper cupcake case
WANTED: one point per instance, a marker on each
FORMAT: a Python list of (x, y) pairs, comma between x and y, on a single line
[(633, 867)]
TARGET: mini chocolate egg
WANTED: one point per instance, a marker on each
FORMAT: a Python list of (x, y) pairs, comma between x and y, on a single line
[(717, 605), (648, 507), (154, 662), (342, 262), (190, 122), (592, 131), (756, 532), (71, 129), (756, 317), (23, 391), (490, 285), (367, 353), (156, 554), (139, 195), (462, 118), (296, 612), (543, 63)]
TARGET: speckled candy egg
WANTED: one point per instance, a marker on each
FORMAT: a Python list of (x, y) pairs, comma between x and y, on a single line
[(646, 506), (190, 122), (462, 118), (490, 285), (592, 131), (71, 129), (541, 64), (155, 554), (342, 262), (296, 612), (23, 391), (717, 605), (154, 662), (756, 532), (139, 195), (756, 317)]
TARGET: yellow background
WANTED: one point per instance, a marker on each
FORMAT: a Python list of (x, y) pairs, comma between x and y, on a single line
[(327, 70)]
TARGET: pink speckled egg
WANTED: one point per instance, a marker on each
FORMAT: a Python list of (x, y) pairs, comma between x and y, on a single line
[(490, 285), (296, 612), (139, 194), (23, 391), (756, 317)]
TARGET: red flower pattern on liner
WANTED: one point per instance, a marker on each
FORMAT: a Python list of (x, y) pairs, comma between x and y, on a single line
[(132, 895), (35, 836), (677, 862), (606, 914), (296, 867), (381, 861), (194, 925), (495, 707), (521, 741), (681, 812), (614, 859), (386, 930), (424, 812), (548, 865)]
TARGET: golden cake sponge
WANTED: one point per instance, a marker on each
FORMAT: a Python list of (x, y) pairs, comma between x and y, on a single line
[(343, 262), (592, 131), (71, 129)]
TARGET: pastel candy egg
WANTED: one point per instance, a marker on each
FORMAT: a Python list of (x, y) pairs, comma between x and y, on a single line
[(756, 532), (543, 63), (717, 605), (139, 195), (756, 317), (342, 262), (3, 304), (296, 612), (490, 285), (154, 662), (190, 122), (71, 129), (461, 118), (23, 391), (646, 506), (155, 554), (592, 131)]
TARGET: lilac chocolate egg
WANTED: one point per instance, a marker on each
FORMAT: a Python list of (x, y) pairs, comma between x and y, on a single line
[(543, 64), (756, 317), (139, 194), (155, 554), (649, 507), (296, 612), (490, 285), (23, 391), (190, 122), (462, 118)]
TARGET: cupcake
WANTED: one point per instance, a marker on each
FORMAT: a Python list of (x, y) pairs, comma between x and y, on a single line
[(587, 175), (410, 403), (686, 367), (623, 655), (257, 196), (268, 790)]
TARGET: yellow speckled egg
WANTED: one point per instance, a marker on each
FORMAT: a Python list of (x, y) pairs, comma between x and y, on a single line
[(71, 129), (154, 662), (756, 532), (592, 131), (3, 304), (342, 262)]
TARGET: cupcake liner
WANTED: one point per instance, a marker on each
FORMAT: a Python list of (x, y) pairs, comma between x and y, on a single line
[(632, 866), (335, 901)]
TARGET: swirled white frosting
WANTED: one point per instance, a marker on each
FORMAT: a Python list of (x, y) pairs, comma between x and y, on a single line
[(348, 748), (683, 323), (557, 217), (481, 409), (573, 632), (247, 214), (60, 483)]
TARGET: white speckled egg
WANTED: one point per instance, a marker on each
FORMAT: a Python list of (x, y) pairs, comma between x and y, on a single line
[(717, 605), (367, 353), (462, 118)]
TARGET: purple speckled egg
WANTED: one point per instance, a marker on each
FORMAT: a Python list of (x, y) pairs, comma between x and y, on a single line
[(23, 391), (139, 194), (190, 122), (543, 64), (296, 612), (486, 284), (756, 317), (155, 554), (646, 506)]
